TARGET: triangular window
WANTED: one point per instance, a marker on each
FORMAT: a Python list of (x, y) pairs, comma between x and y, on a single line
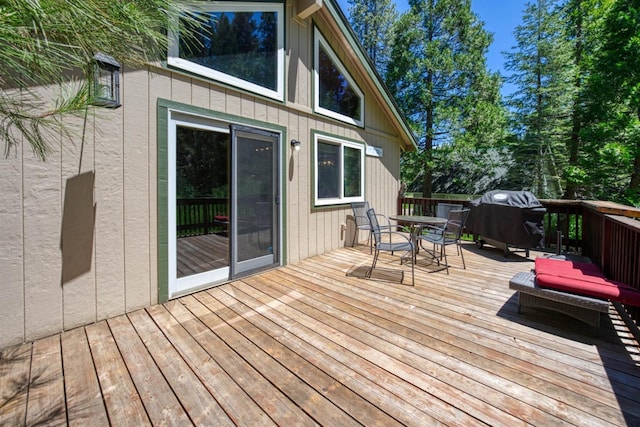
[(336, 94)]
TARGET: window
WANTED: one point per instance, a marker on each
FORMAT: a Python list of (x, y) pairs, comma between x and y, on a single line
[(336, 94), (238, 43), (339, 176)]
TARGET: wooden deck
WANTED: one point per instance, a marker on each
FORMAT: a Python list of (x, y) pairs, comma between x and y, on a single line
[(307, 344)]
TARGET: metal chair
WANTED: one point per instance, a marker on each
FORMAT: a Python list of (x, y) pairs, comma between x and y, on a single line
[(449, 234), (443, 209), (402, 243), (362, 222)]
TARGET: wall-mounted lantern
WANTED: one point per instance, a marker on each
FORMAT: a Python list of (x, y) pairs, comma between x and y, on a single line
[(106, 81), (295, 144)]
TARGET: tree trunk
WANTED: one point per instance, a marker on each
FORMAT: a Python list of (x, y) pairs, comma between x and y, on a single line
[(427, 188), (634, 183), (428, 147), (576, 122)]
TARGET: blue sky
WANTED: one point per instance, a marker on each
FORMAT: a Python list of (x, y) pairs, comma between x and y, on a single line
[(500, 18)]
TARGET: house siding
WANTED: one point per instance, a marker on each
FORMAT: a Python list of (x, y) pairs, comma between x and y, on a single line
[(120, 147)]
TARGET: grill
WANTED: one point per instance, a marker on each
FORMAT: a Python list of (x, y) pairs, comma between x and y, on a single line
[(507, 219)]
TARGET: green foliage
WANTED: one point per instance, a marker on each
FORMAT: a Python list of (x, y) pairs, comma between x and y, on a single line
[(612, 134), (543, 71), (43, 42), (373, 22), (439, 77), (574, 117)]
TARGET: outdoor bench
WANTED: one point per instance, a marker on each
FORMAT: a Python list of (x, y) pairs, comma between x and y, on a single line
[(578, 289)]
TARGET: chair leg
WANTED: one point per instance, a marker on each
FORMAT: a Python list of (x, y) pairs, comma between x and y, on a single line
[(446, 263), (413, 279), (461, 255), (373, 265)]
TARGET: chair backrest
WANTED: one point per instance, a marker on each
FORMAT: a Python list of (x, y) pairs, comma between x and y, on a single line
[(443, 209), (375, 227), (455, 222), (360, 213)]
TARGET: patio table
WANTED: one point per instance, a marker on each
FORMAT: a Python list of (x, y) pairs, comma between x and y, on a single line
[(416, 224)]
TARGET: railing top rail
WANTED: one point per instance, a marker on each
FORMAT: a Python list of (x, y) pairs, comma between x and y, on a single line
[(560, 202), (631, 223), (612, 208), (599, 206)]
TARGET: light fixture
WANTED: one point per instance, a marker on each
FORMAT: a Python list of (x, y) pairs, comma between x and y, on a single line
[(295, 144), (106, 81)]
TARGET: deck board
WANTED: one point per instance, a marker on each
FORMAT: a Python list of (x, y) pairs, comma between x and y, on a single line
[(84, 398), (46, 399), (123, 403), (197, 401), (15, 363), (160, 402), (308, 344)]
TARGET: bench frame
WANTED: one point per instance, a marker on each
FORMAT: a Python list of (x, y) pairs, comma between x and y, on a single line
[(583, 308)]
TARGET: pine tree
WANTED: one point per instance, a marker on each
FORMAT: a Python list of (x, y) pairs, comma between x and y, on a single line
[(544, 75), (373, 21), (613, 137), (582, 19), (439, 76)]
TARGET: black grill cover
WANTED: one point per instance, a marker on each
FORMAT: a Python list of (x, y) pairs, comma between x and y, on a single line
[(511, 217)]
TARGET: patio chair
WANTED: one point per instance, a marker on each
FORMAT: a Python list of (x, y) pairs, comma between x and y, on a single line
[(449, 234), (362, 222), (397, 242), (443, 209)]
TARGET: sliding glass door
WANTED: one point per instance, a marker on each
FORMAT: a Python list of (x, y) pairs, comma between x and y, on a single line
[(224, 211)]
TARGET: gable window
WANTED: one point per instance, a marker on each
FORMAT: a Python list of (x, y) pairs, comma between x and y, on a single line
[(339, 170), (335, 93), (238, 43)]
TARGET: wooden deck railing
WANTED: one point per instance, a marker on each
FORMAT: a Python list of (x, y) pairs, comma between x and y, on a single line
[(608, 233), (612, 240), (196, 216)]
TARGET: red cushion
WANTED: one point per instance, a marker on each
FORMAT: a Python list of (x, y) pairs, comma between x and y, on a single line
[(583, 278), (562, 267), (221, 218), (599, 288)]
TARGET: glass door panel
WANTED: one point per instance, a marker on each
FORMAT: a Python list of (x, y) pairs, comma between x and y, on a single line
[(255, 199), (202, 205)]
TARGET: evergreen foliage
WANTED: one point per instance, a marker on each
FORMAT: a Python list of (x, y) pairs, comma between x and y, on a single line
[(612, 135), (43, 43), (543, 72), (373, 22), (439, 76)]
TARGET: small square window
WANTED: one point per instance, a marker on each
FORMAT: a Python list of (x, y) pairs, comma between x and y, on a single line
[(106, 81), (339, 170)]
